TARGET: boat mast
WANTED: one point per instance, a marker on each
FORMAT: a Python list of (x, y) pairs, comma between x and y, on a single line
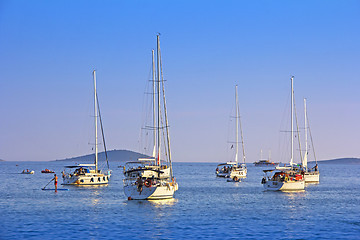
[(237, 125), (154, 101), (158, 98), (306, 140), (166, 119), (96, 130), (292, 122)]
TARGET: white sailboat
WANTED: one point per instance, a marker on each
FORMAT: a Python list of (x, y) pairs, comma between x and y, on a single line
[(310, 175), (234, 170), (285, 178), (89, 174), (152, 178)]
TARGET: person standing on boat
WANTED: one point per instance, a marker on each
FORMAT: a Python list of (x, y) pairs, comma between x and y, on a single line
[(139, 184)]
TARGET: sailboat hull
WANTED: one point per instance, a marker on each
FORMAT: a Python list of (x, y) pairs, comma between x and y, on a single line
[(284, 186), (239, 173), (166, 191), (93, 179), (312, 177)]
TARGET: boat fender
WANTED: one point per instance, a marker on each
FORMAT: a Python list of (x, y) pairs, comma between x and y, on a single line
[(147, 183), (263, 181)]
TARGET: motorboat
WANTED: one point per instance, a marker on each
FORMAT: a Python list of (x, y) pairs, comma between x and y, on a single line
[(47, 171), (27, 171), (265, 162)]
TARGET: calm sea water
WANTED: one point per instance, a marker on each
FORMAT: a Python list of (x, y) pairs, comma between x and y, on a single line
[(205, 207)]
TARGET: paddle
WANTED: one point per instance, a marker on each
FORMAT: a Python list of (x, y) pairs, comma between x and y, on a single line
[(47, 184)]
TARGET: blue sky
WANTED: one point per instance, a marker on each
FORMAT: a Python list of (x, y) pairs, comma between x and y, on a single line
[(48, 50)]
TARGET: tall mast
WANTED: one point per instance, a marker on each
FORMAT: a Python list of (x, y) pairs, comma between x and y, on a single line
[(166, 119), (96, 116), (237, 125), (154, 101), (292, 122), (306, 141), (158, 98)]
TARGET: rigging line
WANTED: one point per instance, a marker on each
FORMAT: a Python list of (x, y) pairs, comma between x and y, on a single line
[(166, 118), (312, 143), (102, 131), (297, 127), (241, 132)]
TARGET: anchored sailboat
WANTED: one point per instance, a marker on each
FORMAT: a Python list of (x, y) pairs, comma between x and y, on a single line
[(152, 178), (234, 170), (285, 178), (310, 175), (265, 162), (89, 174)]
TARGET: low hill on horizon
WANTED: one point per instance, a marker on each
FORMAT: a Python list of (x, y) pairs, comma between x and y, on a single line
[(113, 156), (353, 161)]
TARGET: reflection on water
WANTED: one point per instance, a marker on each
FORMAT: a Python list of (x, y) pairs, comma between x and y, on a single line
[(162, 202), (328, 210)]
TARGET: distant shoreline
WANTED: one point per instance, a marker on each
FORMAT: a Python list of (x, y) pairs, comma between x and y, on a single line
[(350, 161)]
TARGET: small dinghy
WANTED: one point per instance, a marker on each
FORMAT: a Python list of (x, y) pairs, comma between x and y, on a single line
[(234, 179), (47, 171), (27, 171)]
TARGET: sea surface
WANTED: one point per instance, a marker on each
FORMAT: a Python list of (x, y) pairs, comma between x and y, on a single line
[(205, 207)]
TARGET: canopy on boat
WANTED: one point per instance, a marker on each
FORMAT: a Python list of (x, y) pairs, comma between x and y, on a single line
[(144, 169), (227, 163), (146, 159)]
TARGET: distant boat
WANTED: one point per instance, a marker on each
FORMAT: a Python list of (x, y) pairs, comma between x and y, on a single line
[(27, 171), (47, 171), (89, 174), (234, 170), (265, 162), (285, 178), (310, 175), (152, 178)]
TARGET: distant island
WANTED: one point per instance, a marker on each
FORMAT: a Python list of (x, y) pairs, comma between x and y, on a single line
[(350, 161), (113, 156)]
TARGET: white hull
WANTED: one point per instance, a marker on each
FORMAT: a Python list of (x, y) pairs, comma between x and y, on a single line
[(165, 191), (284, 186), (312, 177), (31, 172), (239, 173), (221, 174), (87, 179)]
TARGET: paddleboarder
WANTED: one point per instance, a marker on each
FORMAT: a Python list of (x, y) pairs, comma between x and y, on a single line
[(55, 181)]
